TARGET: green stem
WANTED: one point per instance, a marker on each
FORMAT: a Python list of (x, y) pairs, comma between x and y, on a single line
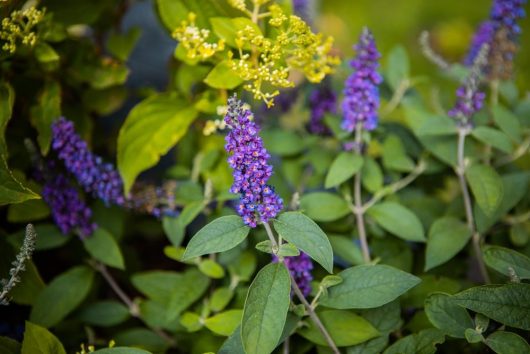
[(357, 198)]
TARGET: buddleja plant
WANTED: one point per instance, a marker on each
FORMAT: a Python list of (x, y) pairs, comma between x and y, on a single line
[(307, 206)]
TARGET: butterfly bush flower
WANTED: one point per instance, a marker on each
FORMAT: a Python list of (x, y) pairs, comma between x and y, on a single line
[(95, 176), (69, 211), (361, 92), (303, 9), (249, 160), (501, 33), (300, 268), (469, 97), (321, 101)]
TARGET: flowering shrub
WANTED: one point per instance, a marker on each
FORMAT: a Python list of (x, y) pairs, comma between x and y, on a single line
[(268, 198)]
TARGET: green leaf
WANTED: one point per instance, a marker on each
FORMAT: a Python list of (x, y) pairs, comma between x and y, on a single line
[(423, 342), (282, 142), (473, 336), (103, 247), (398, 220), (233, 345), (346, 249), (398, 66), (502, 342), (305, 234), (157, 285), (372, 176), (266, 309), (508, 304), (172, 13), (447, 316), (224, 323), (45, 53), (226, 28), (508, 122), (493, 137), (38, 340), (62, 296), (153, 127), (429, 284), (220, 298), (106, 313), (121, 45), (223, 77), (343, 167), (394, 155), (174, 230), (7, 99), (436, 126), (502, 259), (143, 338), (322, 206), (9, 346), (220, 235), (447, 237), (345, 328), (121, 350), (11, 190), (486, 186), (189, 289), (212, 269), (368, 286)]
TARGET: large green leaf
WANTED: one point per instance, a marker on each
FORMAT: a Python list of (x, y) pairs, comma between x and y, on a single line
[(368, 286), (394, 155), (397, 66), (486, 186), (322, 206), (508, 304), (447, 316), (7, 98), (105, 313), (344, 327), (502, 342), (38, 340), (505, 260), (102, 246), (220, 235), (62, 296), (398, 220), (508, 122), (493, 137), (447, 237), (224, 323), (47, 110), (11, 190), (266, 309), (306, 235), (150, 130), (189, 289), (423, 342), (343, 167), (223, 77)]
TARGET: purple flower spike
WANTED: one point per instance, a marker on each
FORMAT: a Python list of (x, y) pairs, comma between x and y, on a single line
[(361, 91), (95, 176), (485, 34), (506, 13), (68, 210), (321, 101), (300, 268), (249, 160), (303, 9)]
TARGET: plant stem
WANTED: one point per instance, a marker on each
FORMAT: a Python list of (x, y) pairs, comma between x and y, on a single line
[(133, 307), (314, 316), (301, 297), (404, 85), (460, 171), (357, 195), (274, 243)]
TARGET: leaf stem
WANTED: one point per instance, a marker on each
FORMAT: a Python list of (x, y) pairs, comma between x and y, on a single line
[(301, 297), (133, 307), (404, 85), (460, 171)]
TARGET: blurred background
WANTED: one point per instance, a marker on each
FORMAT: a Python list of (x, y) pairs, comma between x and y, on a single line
[(450, 22)]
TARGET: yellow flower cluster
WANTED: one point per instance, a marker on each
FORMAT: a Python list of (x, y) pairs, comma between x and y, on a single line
[(213, 126), (18, 27), (271, 60), (194, 40)]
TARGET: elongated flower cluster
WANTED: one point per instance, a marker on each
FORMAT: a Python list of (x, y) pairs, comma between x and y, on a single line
[(361, 92), (303, 9), (300, 268), (469, 97), (96, 177), (69, 211), (249, 160), (501, 33), (321, 101)]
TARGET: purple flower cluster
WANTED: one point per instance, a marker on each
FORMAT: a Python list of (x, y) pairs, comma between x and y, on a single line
[(69, 211), (504, 15), (248, 158), (321, 101), (361, 91), (468, 102), (302, 9), (484, 34), (95, 176), (300, 268)]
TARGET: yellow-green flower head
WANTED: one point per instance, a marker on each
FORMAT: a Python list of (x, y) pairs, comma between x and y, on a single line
[(195, 40), (19, 27)]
